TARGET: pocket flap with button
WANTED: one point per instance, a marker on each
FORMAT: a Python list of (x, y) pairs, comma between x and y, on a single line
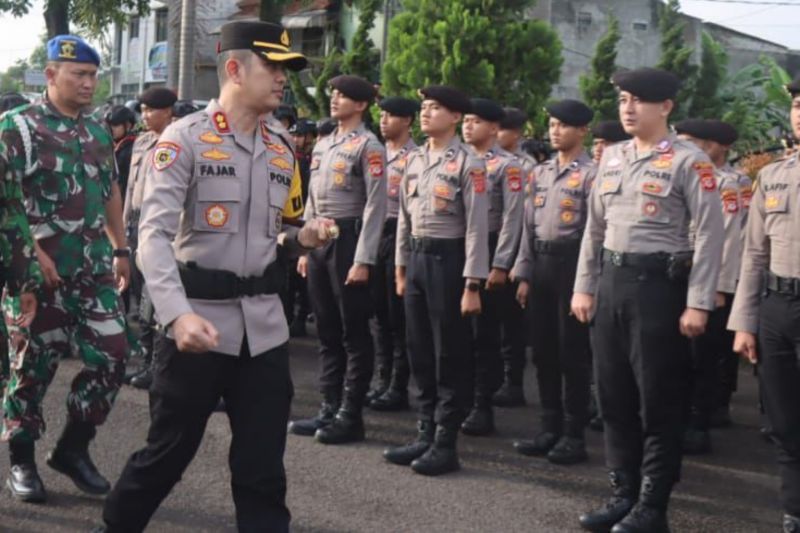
[(610, 185), (776, 202), (444, 191), (657, 188), (218, 190)]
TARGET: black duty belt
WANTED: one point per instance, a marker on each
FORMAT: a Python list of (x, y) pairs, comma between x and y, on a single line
[(557, 247), (390, 227), (781, 285), (349, 224), (432, 245), (676, 266), (209, 284)]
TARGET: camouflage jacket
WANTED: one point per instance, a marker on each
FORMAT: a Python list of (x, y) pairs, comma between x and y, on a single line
[(66, 194)]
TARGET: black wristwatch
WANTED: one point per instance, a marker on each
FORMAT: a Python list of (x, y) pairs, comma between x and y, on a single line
[(473, 286), (122, 252)]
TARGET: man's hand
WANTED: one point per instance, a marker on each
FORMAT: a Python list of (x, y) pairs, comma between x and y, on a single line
[(316, 232), (744, 343), (522, 293), (302, 266), (719, 300), (470, 303), (582, 306), (497, 279), (400, 281), (693, 322), (122, 272), (49, 271), (357, 275), (194, 333), (27, 308)]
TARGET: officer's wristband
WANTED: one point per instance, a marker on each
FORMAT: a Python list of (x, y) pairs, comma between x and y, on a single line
[(122, 252)]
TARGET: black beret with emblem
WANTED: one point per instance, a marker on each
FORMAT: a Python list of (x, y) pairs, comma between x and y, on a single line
[(486, 109), (708, 130), (514, 119), (648, 84), (269, 40), (354, 87), (400, 107), (794, 87), (158, 98), (610, 130), (571, 112), (450, 97)]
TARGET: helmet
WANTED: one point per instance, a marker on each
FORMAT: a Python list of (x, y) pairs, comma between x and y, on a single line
[(181, 108), (120, 114), (304, 126)]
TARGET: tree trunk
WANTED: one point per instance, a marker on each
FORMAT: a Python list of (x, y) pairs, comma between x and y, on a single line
[(56, 17), (271, 11)]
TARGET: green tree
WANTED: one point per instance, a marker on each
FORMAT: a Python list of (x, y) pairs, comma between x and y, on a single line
[(271, 10), (706, 101), (94, 16), (596, 88), (487, 48), (676, 57), (363, 58)]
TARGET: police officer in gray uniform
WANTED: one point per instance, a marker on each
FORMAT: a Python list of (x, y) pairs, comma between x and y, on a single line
[(604, 134), (348, 184), (555, 217), (505, 181), (209, 233), (646, 294), (442, 254)]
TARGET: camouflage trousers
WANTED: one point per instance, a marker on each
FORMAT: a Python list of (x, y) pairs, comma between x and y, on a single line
[(84, 316), (4, 362)]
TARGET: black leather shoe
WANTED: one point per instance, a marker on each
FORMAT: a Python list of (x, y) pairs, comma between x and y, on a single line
[(480, 422), (78, 466), (509, 395), (376, 392), (307, 427), (624, 491), (568, 451), (643, 519), (696, 442), (132, 373), (791, 524), (404, 455), (440, 458), (539, 446), (143, 380), (391, 400), (347, 426), (25, 484)]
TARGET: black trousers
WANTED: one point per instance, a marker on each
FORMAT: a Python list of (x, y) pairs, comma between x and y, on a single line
[(712, 353), (186, 388), (779, 377), (561, 350), (439, 337), (346, 349), (643, 367), (389, 324), (499, 337), (294, 296)]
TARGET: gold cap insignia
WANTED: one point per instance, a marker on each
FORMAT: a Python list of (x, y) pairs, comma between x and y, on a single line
[(67, 50), (285, 38)]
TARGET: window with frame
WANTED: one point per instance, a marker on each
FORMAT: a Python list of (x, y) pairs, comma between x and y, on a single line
[(133, 27)]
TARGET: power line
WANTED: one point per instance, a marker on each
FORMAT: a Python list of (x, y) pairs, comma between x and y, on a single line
[(754, 2)]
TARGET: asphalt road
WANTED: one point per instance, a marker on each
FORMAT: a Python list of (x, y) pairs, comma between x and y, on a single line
[(351, 488)]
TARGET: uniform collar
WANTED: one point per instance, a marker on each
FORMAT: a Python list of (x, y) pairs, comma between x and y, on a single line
[(405, 149), (52, 111), (219, 120), (336, 140), (665, 146), (579, 162), (449, 152)]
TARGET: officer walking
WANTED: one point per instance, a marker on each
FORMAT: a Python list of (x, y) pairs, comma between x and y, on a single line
[(713, 350), (121, 121), (218, 186), (442, 254), (555, 217), (397, 116), (767, 305), (604, 134), (347, 184), (63, 160), (646, 293), (505, 180)]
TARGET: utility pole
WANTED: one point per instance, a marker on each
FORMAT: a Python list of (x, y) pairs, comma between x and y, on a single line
[(186, 65)]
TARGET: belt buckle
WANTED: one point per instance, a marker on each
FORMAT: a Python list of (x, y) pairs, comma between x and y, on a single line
[(617, 259)]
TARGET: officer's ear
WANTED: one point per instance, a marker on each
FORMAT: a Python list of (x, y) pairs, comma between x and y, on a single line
[(666, 107), (361, 107), (457, 117), (51, 70)]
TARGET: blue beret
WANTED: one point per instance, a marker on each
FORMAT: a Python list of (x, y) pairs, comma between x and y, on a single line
[(71, 48)]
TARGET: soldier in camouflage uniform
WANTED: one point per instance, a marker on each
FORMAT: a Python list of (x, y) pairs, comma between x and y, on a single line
[(63, 161)]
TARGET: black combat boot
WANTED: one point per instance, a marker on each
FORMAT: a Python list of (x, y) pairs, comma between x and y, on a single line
[(649, 515), (307, 427), (509, 395), (568, 451), (480, 420), (791, 524), (347, 425), (23, 479), (543, 442), (624, 492), (71, 458), (383, 373), (391, 400), (404, 455), (696, 442), (440, 458), (596, 424)]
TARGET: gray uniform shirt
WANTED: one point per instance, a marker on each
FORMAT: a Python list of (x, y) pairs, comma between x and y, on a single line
[(347, 181), (395, 166), (141, 158), (505, 184), (643, 203), (733, 212), (772, 239), (215, 197), (555, 208), (443, 195)]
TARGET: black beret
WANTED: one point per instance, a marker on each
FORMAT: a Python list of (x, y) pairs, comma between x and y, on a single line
[(304, 126), (486, 109), (11, 100), (571, 112), (158, 98), (794, 87), (450, 97), (648, 84), (399, 106), (610, 130), (183, 108), (514, 120), (325, 126), (119, 114), (709, 130), (354, 87), (269, 40)]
